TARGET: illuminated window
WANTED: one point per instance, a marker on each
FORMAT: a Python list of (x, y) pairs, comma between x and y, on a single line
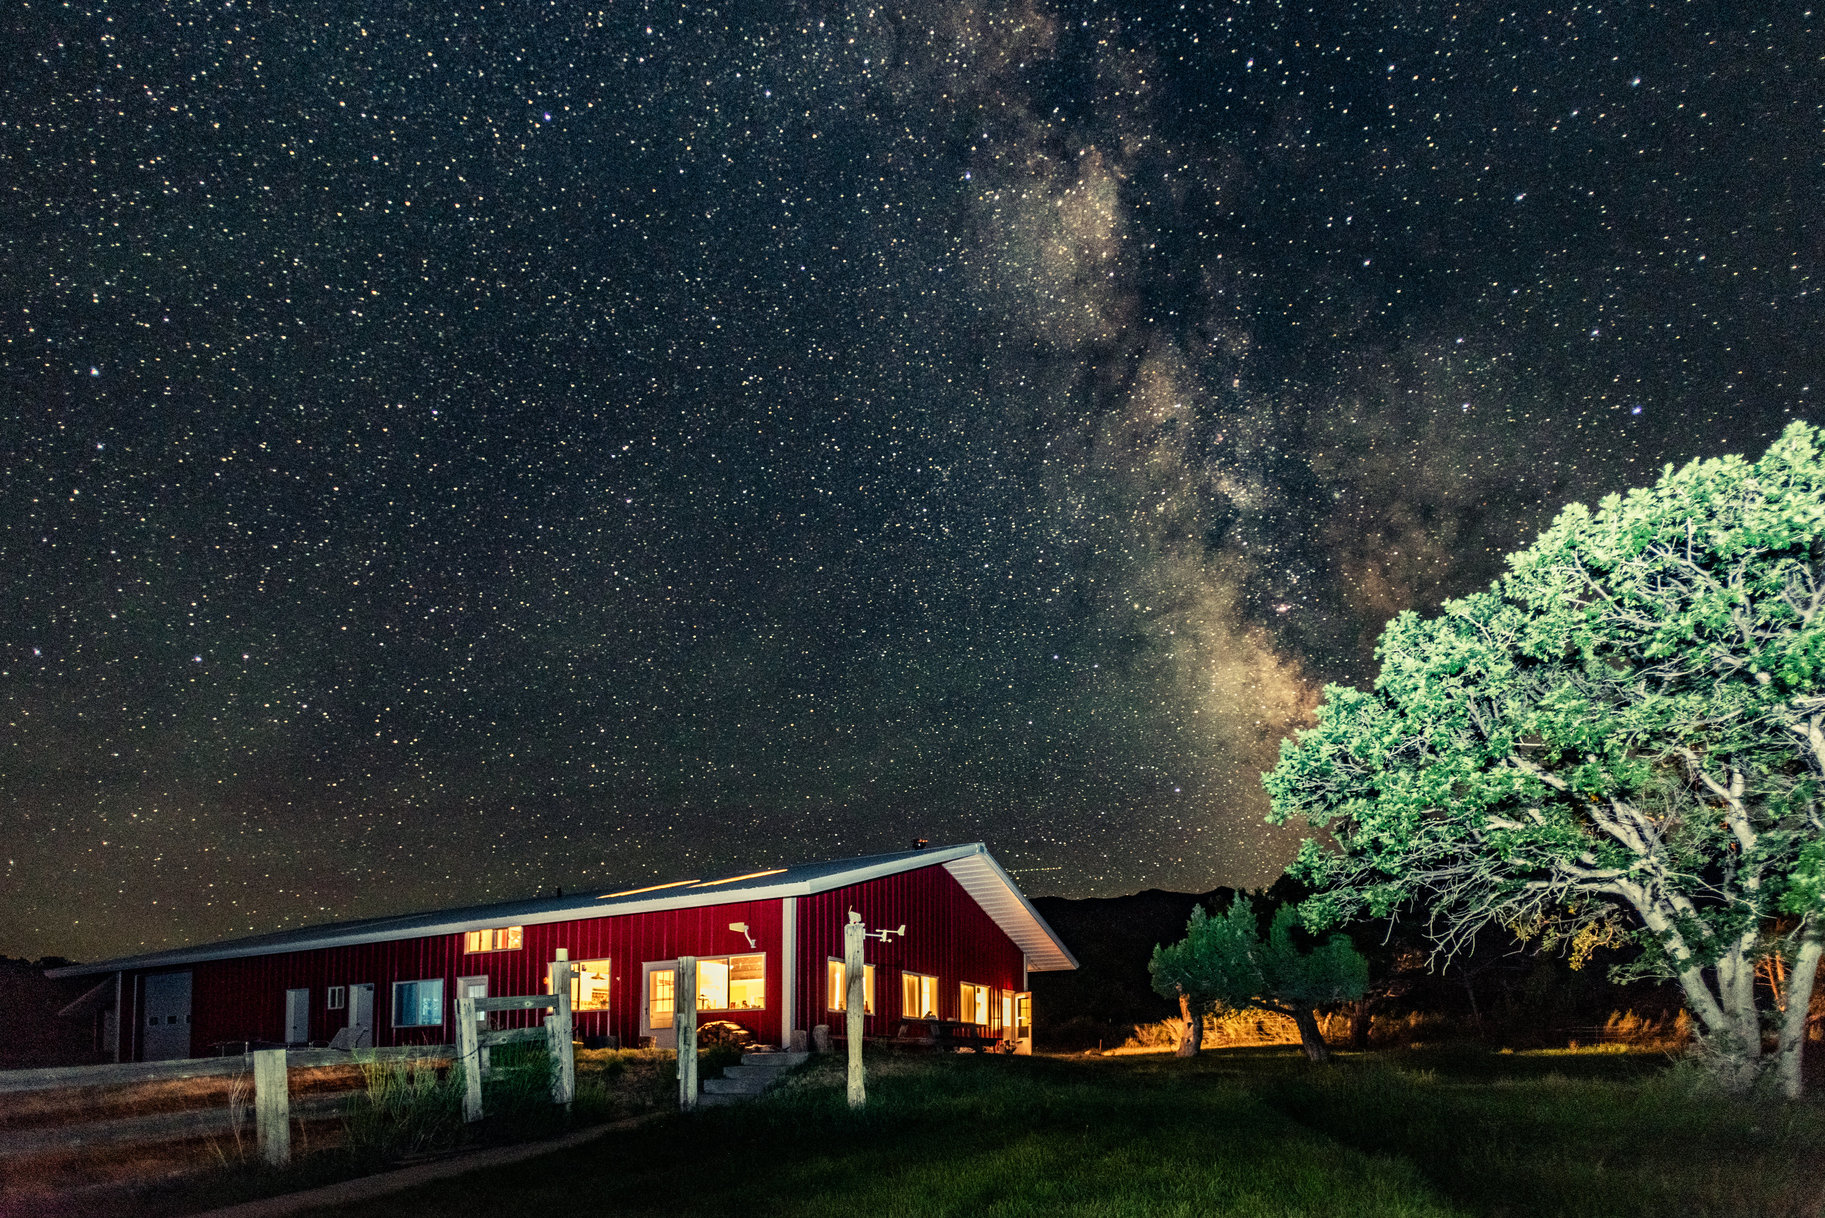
[(918, 996), (837, 993), (418, 1004), (724, 983), (336, 997), (589, 985), (973, 1007), (747, 983), (732, 983), (496, 939)]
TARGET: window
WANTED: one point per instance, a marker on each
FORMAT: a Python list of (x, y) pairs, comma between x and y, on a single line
[(838, 993), (418, 1004), (731, 983), (496, 939), (724, 983), (974, 1004), (918, 996), (589, 985), (336, 997)]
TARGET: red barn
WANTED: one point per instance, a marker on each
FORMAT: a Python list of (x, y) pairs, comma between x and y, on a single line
[(769, 946)]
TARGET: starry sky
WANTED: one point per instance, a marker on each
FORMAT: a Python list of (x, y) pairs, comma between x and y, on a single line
[(451, 452)]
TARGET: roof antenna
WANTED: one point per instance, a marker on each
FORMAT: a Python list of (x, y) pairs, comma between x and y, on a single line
[(920, 843)]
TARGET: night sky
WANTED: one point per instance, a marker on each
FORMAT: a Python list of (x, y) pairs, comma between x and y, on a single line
[(455, 452)]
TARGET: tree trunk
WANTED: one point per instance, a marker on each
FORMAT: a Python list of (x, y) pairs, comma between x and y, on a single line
[(1730, 1026), (1191, 1034), (1731, 1038), (1310, 1038), (1359, 1025), (1800, 984)]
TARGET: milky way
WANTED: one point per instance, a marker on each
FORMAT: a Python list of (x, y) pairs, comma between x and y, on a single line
[(452, 453)]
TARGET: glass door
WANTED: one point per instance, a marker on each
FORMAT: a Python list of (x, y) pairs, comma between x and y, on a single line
[(658, 983), (1023, 1023)]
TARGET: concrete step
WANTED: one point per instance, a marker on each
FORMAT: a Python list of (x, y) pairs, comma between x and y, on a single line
[(736, 1086), (766, 1073), (712, 1099), (774, 1057)]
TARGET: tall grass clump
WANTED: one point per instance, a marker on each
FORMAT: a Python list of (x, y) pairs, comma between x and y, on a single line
[(405, 1108)]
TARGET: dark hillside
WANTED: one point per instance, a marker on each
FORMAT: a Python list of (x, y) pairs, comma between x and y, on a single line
[(1112, 938)]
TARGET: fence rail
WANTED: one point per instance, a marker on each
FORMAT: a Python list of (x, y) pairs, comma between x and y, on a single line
[(63, 1078), (91, 1118), (85, 1108)]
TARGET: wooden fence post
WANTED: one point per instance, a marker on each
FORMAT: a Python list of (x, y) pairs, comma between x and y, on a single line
[(855, 999), (272, 1106), (684, 1024), (469, 1057), (558, 1037)]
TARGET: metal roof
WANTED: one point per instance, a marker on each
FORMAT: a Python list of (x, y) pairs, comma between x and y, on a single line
[(970, 862)]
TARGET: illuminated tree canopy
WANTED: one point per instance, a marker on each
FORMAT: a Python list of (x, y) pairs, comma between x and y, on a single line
[(1623, 737), (1223, 962)]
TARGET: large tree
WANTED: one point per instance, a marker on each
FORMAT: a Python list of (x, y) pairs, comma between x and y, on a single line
[(1223, 962), (1624, 736)]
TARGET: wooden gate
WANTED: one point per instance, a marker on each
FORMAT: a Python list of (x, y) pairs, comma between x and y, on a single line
[(472, 1040)]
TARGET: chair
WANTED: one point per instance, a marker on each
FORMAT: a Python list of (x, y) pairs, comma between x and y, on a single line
[(351, 1038)]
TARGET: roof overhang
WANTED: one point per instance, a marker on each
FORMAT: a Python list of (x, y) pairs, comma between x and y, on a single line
[(983, 878)]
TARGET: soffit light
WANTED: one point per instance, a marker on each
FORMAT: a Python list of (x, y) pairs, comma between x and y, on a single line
[(654, 888), (752, 875)]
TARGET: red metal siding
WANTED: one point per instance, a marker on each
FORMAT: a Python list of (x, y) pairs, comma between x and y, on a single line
[(947, 936), (236, 1000)]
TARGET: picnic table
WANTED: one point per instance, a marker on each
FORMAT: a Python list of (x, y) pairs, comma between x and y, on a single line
[(946, 1035)]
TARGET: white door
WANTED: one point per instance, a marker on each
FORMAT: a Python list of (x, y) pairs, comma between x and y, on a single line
[(658, 980), (361, 1015), (166, 1022), (473, 987), (297, 1016)]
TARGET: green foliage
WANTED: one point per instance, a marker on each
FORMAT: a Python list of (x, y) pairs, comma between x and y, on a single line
[(1630, 723), (1224, 961)]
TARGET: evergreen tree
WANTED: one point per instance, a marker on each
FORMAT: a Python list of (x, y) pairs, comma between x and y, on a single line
[(1223, 962)]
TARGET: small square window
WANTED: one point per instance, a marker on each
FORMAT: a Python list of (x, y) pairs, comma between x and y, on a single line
[(336, 997)]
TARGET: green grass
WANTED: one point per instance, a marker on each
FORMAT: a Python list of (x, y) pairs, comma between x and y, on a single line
[(1241, 1132)]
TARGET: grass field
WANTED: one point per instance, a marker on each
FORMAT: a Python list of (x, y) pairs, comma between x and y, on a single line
[(1238, 1132)]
